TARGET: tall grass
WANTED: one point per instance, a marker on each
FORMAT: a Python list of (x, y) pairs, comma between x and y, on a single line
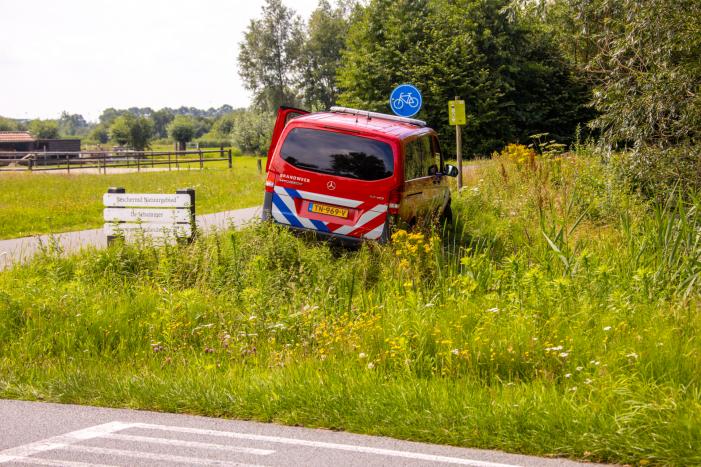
[(559, 316)]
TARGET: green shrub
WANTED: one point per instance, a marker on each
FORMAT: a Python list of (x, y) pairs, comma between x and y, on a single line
[(656, 172)]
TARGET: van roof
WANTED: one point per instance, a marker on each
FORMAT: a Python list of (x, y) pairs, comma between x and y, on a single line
[(375, 124)]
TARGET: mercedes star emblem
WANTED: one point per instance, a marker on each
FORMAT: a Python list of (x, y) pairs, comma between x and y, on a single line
[(331, 185)]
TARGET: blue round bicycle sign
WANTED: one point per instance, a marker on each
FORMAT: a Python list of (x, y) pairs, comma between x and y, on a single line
[(405, 100)]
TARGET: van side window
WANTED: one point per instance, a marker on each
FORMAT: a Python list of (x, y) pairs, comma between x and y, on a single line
[(437, 154), (418, 158), (412, 160)]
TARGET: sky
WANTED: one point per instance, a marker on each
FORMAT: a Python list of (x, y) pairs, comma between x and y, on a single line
[(82, 56)]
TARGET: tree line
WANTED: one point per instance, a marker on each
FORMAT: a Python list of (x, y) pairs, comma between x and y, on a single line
[(139, 127), (624, 73)]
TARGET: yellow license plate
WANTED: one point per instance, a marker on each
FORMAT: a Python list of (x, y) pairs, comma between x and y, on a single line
[(328, 210)]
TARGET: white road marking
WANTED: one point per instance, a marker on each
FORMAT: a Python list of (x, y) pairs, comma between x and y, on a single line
[(57, 463), (60, 442), (325, 445), (188, 444), (153, 456), (69, 442)]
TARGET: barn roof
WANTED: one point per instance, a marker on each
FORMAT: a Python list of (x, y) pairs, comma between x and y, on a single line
[(16, 137)]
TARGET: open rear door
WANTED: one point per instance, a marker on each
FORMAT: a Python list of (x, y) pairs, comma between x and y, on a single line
[(284, 115)]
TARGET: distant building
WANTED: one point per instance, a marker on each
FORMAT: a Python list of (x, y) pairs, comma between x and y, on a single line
[(23, 141)]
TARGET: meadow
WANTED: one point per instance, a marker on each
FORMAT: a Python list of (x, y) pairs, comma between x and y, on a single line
[(39, 203), (558, 316)]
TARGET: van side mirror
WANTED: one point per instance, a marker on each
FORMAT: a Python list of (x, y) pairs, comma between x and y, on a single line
[(450, 170)]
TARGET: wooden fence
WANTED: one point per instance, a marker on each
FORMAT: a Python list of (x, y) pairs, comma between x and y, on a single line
[(104, 160)]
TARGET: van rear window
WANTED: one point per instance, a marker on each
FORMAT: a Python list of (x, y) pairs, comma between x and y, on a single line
[(338, 154)]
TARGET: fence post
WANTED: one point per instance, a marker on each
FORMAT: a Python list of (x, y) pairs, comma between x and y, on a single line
[(68, 163), (138, 164), (201, 161), (190, 192), (260, 166), (114, 189), (230, 158), (31, 163), (169, 162)]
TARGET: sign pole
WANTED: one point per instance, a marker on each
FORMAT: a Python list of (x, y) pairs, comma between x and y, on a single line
[(114, 189), (458, 149)]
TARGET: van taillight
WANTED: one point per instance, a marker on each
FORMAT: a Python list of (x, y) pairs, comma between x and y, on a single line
[(270, 181), (394, 197)]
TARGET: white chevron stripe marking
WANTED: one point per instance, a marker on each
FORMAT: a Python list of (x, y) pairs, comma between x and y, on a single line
[(364, 219), (290, 203), (375, 233)]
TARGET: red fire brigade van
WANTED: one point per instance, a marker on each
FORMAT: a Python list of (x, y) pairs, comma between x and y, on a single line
[(343, 173)]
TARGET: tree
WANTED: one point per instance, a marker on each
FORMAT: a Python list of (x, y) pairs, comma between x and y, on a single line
[(320, 55), (131, 131), (120, 130), (512, 76), (252, 132), (268, 55), (109, 115), (72, 124), (99, 134), (182, 130), (43, 129), (647, 72), (161, 118), (7, 124), (224, 125)]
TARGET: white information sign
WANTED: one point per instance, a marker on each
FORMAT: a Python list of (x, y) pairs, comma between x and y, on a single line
[(155, 229), (146, 215), (145, 200), (157, 215)]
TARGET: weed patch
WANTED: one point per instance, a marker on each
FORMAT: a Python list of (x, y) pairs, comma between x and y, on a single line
[(558, 317)]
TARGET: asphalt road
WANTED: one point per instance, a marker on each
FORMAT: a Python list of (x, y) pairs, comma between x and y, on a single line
[(36, 433), (22, 249)]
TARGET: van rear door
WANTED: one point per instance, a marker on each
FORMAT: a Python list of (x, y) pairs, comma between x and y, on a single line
[(333, 182), (284, 115)]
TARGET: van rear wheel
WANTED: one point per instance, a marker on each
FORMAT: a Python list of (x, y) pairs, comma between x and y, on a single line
[(446, 217)]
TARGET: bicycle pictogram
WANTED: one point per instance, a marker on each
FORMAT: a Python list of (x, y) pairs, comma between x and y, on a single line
[(405, 98)]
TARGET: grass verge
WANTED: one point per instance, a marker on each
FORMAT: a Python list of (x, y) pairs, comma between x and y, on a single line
[(33, 203), (558, 317)]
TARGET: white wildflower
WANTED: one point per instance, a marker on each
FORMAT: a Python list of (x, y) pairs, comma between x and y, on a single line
[(362, 355), (607, 328), (564, 354)]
